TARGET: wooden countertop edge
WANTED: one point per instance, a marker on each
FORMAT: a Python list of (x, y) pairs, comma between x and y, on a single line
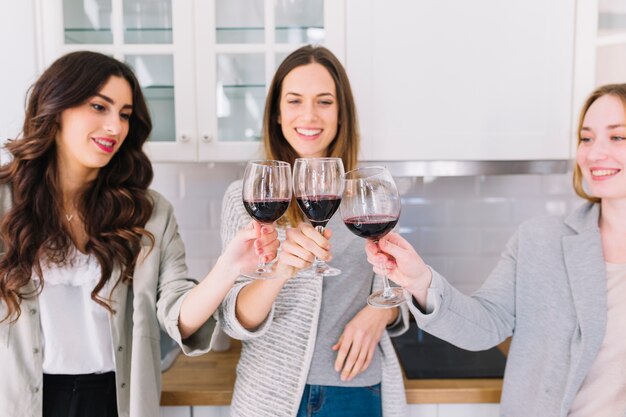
[(429, 391), (209, 379)]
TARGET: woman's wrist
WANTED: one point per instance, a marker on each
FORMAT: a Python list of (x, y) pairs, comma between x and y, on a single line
[(228, 268), (394, 313), (421, 283)]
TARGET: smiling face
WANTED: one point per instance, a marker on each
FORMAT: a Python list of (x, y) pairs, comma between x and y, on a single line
[(308, 110), (601, 153), (92, 132)]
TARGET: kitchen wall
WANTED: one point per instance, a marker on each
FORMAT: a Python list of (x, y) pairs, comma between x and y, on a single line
[(458, 224)]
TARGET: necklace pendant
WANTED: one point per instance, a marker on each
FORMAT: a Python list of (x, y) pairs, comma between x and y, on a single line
[(69, 217)]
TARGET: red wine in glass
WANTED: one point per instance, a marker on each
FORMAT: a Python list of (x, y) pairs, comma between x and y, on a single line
[(370, 208), (371, 227), (266, 211), (317, 186), (266, 195), (319, 208)]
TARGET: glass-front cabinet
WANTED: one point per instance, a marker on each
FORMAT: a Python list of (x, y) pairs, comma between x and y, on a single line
[(611, 42), (204, 65), (239, 45)]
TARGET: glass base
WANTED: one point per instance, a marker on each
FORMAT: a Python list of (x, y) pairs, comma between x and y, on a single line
[(260, 273), (321, 268), (393, 298)]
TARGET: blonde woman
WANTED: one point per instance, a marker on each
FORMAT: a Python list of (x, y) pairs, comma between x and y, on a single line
[(558, 290)]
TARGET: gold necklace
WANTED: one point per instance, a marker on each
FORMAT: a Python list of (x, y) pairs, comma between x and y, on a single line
[(69, 217)]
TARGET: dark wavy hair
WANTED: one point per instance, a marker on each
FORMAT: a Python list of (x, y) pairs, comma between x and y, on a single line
[(346, 143), (114, 207)]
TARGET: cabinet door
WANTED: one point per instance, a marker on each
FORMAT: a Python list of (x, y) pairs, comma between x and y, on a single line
[(239, 44), (611, 42), (450, 80), (152, 36)]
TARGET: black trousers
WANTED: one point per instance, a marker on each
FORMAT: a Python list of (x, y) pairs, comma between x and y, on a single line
[(91, 395)]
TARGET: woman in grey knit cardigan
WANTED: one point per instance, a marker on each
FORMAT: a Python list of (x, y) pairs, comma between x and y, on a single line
[(311, 346)]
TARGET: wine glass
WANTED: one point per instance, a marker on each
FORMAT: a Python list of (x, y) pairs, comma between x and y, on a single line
[(266, 196), (317, 186), (370, 208)]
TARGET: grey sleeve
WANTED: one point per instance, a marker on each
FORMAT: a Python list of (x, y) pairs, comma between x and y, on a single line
[(475, 322), (234, 217), (173, 286)]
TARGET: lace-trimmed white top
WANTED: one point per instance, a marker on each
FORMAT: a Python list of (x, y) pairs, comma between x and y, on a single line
[(75, 329)]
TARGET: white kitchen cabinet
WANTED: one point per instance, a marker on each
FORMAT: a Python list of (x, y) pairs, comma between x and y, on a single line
[(611, 42), (204, 65), (177, 411), (239, 44), (480, 80), (155, 38), (468, 410), (413, 410)]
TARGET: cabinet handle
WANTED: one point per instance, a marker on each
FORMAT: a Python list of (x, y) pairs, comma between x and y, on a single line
[(206, 138), (184, 138)]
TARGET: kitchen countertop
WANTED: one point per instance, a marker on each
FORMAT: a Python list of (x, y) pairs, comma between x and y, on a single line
[(209, 380)]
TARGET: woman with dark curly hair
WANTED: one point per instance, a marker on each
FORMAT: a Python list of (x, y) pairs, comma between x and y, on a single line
[(92, 265)]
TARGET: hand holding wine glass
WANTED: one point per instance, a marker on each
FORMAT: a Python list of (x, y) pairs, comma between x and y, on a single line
[(401, 262), (266, 196), (317, 186), (255, 239), (370, 208)]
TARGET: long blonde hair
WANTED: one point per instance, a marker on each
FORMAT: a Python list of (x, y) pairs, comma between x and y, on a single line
[(615, 90), (346, 143)]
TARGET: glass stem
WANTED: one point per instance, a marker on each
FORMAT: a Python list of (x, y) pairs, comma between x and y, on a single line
[(387, 293), (318, 261), (261, 266)]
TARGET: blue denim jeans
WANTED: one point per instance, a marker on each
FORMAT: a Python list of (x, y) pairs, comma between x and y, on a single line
[(327, 401)]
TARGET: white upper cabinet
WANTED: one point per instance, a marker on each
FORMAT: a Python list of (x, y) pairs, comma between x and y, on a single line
[(611, 42), (479, 80), (155, 38), (239, 45), (204, 65)]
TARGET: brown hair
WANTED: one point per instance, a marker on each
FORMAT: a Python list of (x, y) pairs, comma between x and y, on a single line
[(114, 207), (346, 143), (615, 90)]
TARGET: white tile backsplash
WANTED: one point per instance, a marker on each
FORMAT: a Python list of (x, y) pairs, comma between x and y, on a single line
[(510, 185), (480, 212), (458, 224), (449, 240), (450, 187)]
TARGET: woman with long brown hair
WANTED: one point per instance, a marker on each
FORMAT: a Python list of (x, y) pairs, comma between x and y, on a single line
[(308, 338), (92, 266)]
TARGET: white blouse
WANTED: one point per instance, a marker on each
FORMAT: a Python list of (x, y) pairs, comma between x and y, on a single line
[(75, 329)]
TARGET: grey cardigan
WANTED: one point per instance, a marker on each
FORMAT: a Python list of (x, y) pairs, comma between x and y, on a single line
[(275, 358), (153, 301), (548, 291)]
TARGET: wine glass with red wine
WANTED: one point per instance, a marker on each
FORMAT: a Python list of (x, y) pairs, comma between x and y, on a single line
[(370, 208), (317, 186), (266, 196)]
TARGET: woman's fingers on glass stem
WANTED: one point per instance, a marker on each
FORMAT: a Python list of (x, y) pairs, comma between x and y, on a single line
[(298, 251), (267, 246), (291, 260), (316, 237), (313, 247)]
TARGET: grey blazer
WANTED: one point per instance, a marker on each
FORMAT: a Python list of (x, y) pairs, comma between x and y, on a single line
[(549, 292), (152, 302)]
